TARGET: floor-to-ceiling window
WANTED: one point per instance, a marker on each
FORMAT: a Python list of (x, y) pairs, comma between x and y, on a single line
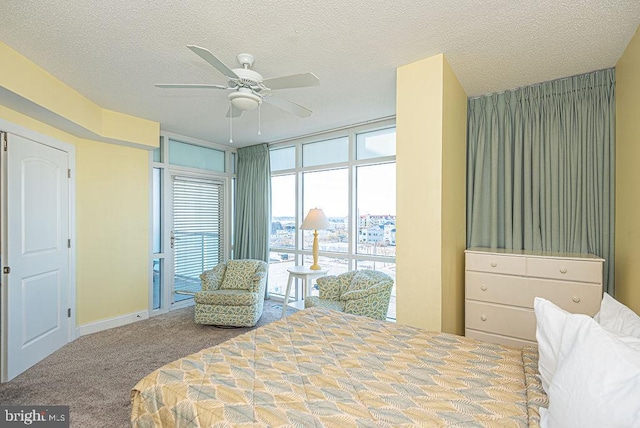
[(351, 175), (192, 189)]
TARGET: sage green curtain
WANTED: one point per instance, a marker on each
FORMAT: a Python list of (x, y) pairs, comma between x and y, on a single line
[(253, 204), (541, 168)]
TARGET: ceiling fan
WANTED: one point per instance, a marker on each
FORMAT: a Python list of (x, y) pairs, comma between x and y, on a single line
[(249, 88)]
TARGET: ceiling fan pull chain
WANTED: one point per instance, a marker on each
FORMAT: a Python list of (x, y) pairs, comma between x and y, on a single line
[(231, 124), (259, 110)]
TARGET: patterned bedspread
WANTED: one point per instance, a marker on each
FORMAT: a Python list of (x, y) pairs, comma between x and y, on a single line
[(326, 368)]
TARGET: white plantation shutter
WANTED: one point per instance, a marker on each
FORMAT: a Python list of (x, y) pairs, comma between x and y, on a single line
[(198, 229)]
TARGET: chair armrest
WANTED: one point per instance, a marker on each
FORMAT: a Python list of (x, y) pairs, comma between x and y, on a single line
[(212, 279), (259, 283), (329, 287), (361, 294)]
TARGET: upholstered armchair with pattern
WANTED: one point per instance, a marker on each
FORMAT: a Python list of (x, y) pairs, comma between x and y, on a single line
[(361, 292), (232, 294)]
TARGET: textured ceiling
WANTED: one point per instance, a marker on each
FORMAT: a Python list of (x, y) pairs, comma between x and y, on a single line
[(113, 52)]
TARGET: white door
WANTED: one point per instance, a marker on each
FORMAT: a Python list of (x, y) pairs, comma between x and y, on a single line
[(36, 296)]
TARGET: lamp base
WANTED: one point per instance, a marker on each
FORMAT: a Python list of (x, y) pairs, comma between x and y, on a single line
[(315, 265)]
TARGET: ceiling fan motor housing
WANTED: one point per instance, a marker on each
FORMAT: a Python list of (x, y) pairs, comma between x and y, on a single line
[(247, 79)]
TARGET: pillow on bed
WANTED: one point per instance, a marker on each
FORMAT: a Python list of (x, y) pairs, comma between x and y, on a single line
[(550, 321), (617, 317), (597, 381)]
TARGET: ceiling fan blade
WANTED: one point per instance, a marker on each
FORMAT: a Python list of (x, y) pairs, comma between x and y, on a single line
[(211, 59), (190, 85), (294, 81), (288, 106), (234, 112)]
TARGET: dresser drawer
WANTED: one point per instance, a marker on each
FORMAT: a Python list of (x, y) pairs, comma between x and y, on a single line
[(574, 297), (567, 270), (504, 320), (496, 263), (496, 338), (487, 287)]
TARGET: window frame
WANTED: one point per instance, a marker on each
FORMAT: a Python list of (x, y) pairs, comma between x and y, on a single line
[(299, 253)]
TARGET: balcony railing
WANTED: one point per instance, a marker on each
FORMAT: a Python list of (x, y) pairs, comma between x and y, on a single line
[(195, 252)]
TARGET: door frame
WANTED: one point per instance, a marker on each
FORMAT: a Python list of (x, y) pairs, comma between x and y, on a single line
[(70, 149), (166, 211)]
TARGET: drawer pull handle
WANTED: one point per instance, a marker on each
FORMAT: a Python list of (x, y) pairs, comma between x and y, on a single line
[(563, 270), (576, 299), (483, 317), (483, 287), (494, 264)]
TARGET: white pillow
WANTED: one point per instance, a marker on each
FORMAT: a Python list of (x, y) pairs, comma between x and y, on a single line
[(597, 381), (550, 321), (617, 317)]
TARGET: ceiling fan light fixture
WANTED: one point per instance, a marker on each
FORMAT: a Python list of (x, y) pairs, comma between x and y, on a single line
[(244, 100)]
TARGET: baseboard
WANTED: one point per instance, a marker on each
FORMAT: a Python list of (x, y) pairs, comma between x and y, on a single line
[(106, 324)]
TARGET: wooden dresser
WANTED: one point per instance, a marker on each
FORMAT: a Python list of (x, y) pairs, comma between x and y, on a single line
[(500, 286)]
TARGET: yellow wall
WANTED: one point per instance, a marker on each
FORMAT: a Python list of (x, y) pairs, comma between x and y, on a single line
[(32, 83), (430, 158), (112, 186), (112, 190), (627, 274), (454, 202)]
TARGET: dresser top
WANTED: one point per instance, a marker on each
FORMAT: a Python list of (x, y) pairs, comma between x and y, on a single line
[(534, 253)]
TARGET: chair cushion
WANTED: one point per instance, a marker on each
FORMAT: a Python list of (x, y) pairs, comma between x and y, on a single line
[(314, 301), (227, 298), (361, 281), (240, 275)]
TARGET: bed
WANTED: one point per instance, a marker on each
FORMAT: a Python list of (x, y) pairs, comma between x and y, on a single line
[(320, 367)]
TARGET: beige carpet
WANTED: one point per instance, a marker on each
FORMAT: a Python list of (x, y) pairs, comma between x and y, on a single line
[(95, 373)]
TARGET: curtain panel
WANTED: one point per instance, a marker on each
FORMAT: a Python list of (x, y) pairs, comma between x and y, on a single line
[(541, 168), (253, 204)]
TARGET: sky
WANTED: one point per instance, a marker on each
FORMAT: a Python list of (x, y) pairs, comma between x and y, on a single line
[(329, 190)]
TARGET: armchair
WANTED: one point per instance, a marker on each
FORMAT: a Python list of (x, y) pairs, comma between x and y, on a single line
[(232, 294), (362, 292)]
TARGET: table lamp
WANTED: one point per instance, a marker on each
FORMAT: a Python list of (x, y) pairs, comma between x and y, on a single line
[(315, 220)]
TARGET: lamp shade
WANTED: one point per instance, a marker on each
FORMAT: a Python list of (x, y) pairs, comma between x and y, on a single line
[(315, 220)]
